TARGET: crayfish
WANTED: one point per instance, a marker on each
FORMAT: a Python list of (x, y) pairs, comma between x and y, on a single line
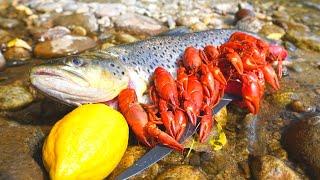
[(240, 66)]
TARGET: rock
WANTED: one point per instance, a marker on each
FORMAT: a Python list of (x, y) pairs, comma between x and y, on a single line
[(139, 24), (125, 38), (282, 99), (272, 31), (182, 172), (132, 154), (302, 142), (270, 167), (291, 25), (54, 33), (13, 97), (195, 160), (21, 152), (249, 24), (79, 31), (199, 26), (87, 21), (2, 62), (65, 45), (110, 9), (17, 53), (304, 40), (221, 117), (299, 106), (9, 23), (173, 158), (243, 13), (187, 20)]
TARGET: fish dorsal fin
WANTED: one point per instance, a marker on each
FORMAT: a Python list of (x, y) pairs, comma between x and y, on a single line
[(176, 31)]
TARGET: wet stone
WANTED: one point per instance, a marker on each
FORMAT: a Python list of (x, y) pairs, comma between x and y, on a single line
[(243, 13), (174, 158), (79, 31), (139, 24), (272, 31), (2, 62), (270, 167), (249, 24), (87, 21), (14, 97), (65, 45), (21, 152), (304, 40), (182, 172), (302, 142), (299, 106), (17, 53), (54, 33), (125, 38), (132, 154), (9, 23)]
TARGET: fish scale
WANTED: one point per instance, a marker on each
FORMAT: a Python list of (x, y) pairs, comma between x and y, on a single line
[(145, 56)]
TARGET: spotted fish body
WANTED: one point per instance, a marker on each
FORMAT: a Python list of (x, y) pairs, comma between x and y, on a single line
[(99, 76)]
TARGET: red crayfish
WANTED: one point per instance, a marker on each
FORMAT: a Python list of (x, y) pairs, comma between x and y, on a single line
[(239, 66)]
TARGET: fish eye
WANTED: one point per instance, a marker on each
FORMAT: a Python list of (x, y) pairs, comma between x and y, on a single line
[(76, 62)]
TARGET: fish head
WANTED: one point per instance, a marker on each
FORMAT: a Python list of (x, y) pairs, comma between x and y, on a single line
[(81, 79)]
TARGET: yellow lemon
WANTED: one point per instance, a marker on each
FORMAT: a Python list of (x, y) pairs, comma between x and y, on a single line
[(87, 143)]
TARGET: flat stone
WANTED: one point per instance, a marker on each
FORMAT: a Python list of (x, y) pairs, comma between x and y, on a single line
[(64, 45), (270, 167), (139, 24), (21, 153), (302, 141), (87, 21), (13, 97)]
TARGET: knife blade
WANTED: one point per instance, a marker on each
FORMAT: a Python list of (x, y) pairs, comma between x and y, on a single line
[(160, 151)]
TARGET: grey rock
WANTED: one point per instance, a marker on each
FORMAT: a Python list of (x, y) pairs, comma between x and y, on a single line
[(54, 33), (249, 24), (110, 9), (87, 21), (302, 142), (270, 167), (50, 7), (21, 152), (65, 45), (14, 96), (139, 24)]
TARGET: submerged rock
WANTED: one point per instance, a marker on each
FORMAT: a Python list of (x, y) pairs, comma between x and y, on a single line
[(302, 141), (14, 97), (270, 167), (139, 24), (182, 172), (87, 21), (65, 45), (132, 154)]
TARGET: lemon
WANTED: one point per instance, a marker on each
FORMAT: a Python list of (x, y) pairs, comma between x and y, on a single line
[(87, 143)]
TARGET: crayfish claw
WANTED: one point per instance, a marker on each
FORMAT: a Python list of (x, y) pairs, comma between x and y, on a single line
[(163, 137), (205, 124), (271, 76), (252, 104), (236, 61)]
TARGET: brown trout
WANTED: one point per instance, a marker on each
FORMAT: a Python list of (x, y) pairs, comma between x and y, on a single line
[(99, 76)]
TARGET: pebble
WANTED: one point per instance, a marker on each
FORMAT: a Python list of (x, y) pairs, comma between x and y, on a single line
[(173, 158), (222, 117), (272, 31), (110, 9), (199, 26), (14, 97), (54, 33), (195, 160), (139, 24), (299, 106), (125, 38), (17, 53), (87, 21), (9, 23), (2, 62), (182, 172), (79, 31), (187, 20), (270, 167), (65, 45), (243, 13), (302, 142), (132, 154), (249, 24)]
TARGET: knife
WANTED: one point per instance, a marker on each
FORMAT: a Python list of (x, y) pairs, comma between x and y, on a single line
[(160, 151)]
